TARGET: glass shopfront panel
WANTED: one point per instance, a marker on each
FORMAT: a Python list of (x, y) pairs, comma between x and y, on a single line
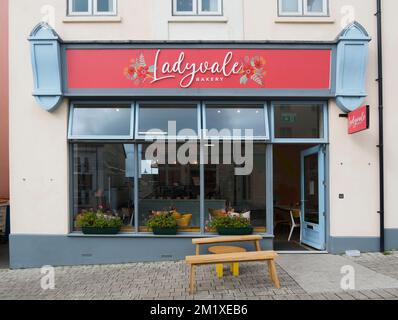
[(166, 185), (103, 179), (167, 120), (228, 192), (299, 121), (227, 118), (94, 121)]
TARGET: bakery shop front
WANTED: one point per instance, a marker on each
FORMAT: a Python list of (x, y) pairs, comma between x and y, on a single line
[(198, 130)]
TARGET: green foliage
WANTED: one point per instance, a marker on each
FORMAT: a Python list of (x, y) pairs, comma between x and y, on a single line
[(164, 221), (98, 219), (229, 222)]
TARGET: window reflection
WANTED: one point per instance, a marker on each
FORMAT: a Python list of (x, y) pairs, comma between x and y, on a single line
[(169, 186), (103, 177), (227, 193)]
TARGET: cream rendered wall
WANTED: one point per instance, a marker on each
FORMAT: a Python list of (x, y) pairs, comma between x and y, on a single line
[(169, 27), (390, 46), (38, 144)]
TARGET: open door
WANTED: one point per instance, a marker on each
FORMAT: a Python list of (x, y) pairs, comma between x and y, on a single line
[(313, 197)]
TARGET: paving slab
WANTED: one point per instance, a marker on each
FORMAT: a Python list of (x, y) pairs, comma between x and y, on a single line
[(322, 273)]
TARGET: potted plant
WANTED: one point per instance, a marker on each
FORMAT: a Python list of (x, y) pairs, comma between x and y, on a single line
[(98, 222), (163, 223), (227, 225)]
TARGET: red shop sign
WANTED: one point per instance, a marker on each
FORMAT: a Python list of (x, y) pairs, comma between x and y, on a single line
[(198, 68), (358, 120)]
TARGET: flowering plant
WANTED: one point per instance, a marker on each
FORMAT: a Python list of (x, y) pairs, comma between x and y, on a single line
[(97, 219), (253, 69), (229, 222), (162, 220), (138, 71)]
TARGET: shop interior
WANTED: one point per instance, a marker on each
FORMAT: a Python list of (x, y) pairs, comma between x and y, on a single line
[(287, 196)]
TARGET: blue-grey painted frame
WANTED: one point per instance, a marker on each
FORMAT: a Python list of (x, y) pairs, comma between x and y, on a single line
[(319, 228), (325, 123), (178, 103), (237, 103), (86, 104)]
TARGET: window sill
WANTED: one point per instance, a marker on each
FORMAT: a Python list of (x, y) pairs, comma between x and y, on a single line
[(91, 19), (151, 235), (320, 20), (198, 19)]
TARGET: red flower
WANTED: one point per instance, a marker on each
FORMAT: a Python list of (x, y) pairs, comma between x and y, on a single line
[(142, 72), (259, 62), (248, 70)]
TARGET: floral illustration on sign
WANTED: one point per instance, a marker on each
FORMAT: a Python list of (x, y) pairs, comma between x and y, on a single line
[(138, 71), (253, 69)]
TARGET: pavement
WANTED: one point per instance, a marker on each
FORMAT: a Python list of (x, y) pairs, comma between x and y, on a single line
[(302, 276)]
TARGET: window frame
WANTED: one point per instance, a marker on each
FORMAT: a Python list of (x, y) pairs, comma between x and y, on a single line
[(210, 13), (106, 13), (265, 138), (197, 9), (303, 12), (178, 104), (87, 105), (324, 13), (325, 123), (92, 9)]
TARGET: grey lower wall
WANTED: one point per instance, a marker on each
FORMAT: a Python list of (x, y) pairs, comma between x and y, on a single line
[(30, 251), (339, 245)]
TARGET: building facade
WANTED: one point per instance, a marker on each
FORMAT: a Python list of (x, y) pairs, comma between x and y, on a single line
[(4, 168), (106, 73)]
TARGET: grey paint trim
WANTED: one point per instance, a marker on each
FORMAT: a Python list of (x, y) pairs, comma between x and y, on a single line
[(202, 93), (339, 245), (269, 188), (29, 251)]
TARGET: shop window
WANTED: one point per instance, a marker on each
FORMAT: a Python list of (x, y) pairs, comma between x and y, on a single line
[(169, 121), (92, 7), (103, 179), (303, 7), (229, 193), (299, 121), (234, 121), (169, 186), (197, 7), (98, 122)]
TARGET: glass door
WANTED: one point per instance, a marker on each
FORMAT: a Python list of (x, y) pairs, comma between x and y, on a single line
[(313, 197)]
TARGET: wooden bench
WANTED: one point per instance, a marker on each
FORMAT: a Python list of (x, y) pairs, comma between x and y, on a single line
[(251, 238), (253, 256)]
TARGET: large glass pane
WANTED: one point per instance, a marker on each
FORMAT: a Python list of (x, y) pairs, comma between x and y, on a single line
[(311, 187), (162, 120), (299, 121), (105, 6), (101, 121), (166, 185), (290, 6), (210, 5), (80, 5), (103, 177), (227, 192), (315, 6), (240, 117), (184, 5)]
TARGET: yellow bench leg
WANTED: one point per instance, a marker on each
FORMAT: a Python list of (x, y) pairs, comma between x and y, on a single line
[(219, 270), (235, 269)]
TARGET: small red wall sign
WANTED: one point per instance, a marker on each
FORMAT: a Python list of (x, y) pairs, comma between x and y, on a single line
[(199, 68), (358, 120)]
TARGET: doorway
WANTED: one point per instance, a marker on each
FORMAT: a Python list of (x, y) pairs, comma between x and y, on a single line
[(299, 197)]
